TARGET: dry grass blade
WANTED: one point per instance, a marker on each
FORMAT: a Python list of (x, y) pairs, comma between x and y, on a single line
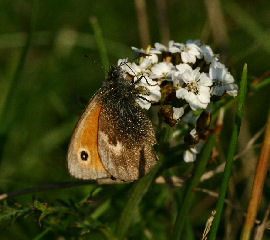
[(163, 21), (208, 225), (46, 187), (142, 22), (216, 18), (220, 168), (257, 189), (260, 229)]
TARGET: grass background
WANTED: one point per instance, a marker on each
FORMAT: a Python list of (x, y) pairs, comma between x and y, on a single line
[(55, 82)]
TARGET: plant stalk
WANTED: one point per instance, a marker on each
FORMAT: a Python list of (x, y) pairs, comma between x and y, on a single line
[(257, 189)]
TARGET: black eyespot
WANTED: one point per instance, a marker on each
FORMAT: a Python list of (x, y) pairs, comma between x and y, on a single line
[(84, 155)]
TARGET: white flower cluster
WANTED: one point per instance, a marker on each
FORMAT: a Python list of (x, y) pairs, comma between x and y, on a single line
[(191, 70)]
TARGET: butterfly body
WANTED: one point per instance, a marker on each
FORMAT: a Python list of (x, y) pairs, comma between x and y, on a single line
[(113, 138)]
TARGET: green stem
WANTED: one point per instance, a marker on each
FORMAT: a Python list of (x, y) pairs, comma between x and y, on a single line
[(231, 151), (137, 192), (194, 181)]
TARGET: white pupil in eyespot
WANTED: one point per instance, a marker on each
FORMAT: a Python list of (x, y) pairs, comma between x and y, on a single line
[(84, 155)]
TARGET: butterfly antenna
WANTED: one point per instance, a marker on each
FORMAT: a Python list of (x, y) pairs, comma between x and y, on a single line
[(93, 61), (138, 78), (145, 99)]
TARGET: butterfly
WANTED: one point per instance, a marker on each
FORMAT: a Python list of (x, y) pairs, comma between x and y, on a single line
[(113, 138)]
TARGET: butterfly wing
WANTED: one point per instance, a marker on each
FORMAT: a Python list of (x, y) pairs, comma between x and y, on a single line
[(83, 159), (125, 139)]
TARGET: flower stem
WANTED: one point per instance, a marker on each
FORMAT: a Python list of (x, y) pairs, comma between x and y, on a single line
[(194, 181), (231, 151)]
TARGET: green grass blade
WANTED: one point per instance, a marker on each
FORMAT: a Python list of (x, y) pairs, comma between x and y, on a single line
[(8, 99), (194, 181), (231, 151), (8, 102), (261, 84), (189, 231), (101, 44), (138, 191), (42, 234)]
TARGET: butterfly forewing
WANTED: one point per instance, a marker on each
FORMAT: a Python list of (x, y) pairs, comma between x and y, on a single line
[(83, 159)]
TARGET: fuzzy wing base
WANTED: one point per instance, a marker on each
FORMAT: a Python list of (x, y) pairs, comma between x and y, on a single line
[(125, 140)]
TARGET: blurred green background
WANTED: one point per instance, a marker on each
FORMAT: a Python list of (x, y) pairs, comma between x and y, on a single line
[(42, 97)]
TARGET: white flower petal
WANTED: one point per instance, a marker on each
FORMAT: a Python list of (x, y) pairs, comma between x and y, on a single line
[(196, 42), (177, 113), (197, 148), (204, 90), (204, 94), (232, 89), (152, 92), (174, 49), (187, 76), (233, 93), (196, 74), (194, 102), (222, 80), (145, 63), (181, 93), (228, 78), (193, 133), (179, 45), (194, 105), (171, 43), (154, 51), (188, 58), (183, 67), (205, 80), (153, 57), (208, 54), (121, 61), (185, 57), (217, 90), (133, 69), (177, 79), (137, 50), (160, 47), (155, 96), (162, 69), (189, 156), (143, 103)]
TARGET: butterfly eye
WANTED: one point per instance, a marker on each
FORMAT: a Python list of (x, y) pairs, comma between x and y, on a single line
[(84, 155)]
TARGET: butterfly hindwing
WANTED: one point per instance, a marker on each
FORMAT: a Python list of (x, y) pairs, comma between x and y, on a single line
[(125, 138)]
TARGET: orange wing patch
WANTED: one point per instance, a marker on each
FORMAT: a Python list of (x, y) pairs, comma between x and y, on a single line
[(83, 158), (88, 141)]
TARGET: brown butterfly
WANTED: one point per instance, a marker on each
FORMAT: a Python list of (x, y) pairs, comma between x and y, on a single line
[(113, 138)]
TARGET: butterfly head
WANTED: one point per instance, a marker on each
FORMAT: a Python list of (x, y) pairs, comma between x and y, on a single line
[(115, 72)]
